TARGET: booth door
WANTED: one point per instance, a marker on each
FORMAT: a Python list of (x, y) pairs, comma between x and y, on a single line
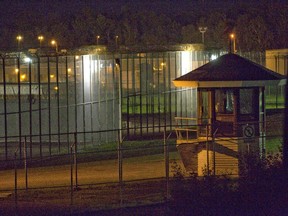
[(204, 113), (225, 112)]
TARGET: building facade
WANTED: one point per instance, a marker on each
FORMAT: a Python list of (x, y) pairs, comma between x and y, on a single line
[(49, 101)]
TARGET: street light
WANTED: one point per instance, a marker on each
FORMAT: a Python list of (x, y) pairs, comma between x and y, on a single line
[(232, 40), (202, 31), (97, 39), (40, 38), (19, 38), (54, 43)]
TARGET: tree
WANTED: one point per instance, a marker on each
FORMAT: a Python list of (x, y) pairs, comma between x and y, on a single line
[(190, 34)]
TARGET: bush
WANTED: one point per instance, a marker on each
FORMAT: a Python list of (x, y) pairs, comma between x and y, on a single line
[(262, 189)]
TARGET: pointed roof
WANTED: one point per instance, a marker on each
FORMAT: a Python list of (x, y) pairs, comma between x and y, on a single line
[(229, 70)]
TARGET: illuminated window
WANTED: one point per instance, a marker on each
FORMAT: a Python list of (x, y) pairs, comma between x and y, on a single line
[(224, 101), (246, 101)]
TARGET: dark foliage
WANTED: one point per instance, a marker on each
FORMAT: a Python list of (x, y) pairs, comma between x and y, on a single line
[(259, 25), (262, 189)]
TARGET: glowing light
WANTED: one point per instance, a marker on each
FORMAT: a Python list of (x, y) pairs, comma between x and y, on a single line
[(56, 88), (54, 43), (19, 38), (40, 38), (23, 77), (52, 76), (27, 60), (213, 57), (186, 63), (16, 70), (69, 70)]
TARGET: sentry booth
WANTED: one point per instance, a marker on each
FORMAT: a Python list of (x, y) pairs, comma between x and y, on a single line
[(230, 117)]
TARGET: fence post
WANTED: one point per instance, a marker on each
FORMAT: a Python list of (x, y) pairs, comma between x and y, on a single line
[(25, 162), (214, 154), (207, 149), (120, 166), (75, 161), (15, 179), (71, 175)]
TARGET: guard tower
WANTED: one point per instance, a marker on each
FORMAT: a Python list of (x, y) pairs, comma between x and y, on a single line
[(230, 114)]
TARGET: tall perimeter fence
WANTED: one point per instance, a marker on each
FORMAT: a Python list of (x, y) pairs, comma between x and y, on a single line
[(86, 178), (60, 143)]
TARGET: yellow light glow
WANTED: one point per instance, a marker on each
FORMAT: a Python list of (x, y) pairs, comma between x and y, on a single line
[(232, 36), (40, 38), (76, 57), (53, 42), (69, 70), (56, 88), (16, 70), (19, 37), (52, 76), (23, 77)]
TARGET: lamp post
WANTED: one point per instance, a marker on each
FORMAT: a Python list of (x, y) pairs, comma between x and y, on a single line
[(202, 31), (40, 38), (19, 38), (116, 41), (54, 43), (97, 39), (232, 43)]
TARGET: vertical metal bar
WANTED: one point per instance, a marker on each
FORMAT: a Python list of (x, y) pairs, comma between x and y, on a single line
[(5, 108), (15, 179), (285, 129), (75, 95), (25, 162), (49, 105), (170, 94), (164, 90), (31, 100), (19, 105), (166, 155), (159, 93), (91, 99), (264, 121), (141, 95), (152, 98), (58, 104), (75, 161), (207, 149), (106, 89), (40, 107), (120, 99), (214, 153), (120, 167), (134, 97), (147, 93), (67, 100), (181, 95), (71, 175), (128, 93)]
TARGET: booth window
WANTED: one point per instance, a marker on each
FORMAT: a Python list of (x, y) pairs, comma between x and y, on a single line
[(224, 101), (246, 101)]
